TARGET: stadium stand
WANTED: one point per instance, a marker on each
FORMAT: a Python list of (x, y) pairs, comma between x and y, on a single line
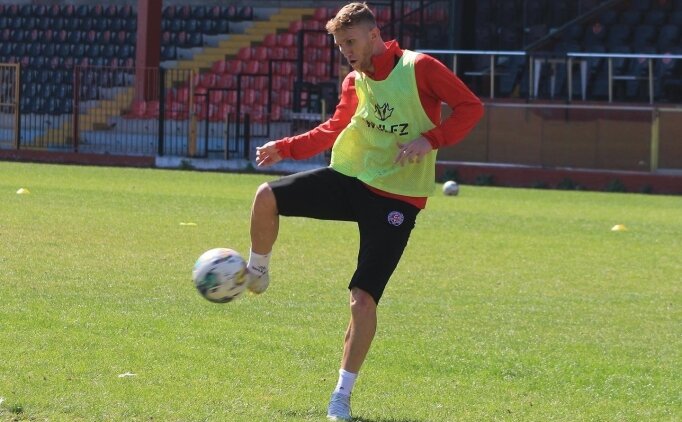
[(217, 56), (554, 28)]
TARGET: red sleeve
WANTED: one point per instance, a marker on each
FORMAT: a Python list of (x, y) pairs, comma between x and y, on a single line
[(437, 84), (322, 137)]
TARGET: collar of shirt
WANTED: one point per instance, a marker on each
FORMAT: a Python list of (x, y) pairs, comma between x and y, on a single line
[(384, 62)]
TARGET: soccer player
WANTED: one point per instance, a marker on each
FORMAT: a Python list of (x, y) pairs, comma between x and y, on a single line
[(384, 135)]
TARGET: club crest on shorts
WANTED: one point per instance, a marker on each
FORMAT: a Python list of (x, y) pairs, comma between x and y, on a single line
[(395, 218)]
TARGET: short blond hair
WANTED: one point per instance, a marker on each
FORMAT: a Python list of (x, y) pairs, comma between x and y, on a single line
[(351, 15)]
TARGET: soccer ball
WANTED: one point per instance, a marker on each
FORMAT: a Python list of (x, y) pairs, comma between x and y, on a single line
[(220, 275), (450, 188)]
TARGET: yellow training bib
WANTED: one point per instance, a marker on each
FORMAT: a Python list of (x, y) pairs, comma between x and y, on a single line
[(389, 112)]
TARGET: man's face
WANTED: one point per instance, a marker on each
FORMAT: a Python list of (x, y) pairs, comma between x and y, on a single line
[(356, 45)]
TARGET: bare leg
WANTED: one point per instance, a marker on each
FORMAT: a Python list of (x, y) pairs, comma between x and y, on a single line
[(264, 220), (361, 330)]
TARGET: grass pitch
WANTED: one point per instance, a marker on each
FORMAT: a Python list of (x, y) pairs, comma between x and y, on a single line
[(509, 304)]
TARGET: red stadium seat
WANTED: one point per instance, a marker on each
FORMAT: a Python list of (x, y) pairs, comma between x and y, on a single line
[(316, 54), (260, 83), (383, 13), (224, 110), (319, 40), (216, 97), (247, 82), (270, 40), (226, 80), (259, 53), (296, 26), (315, 25), (276, 113), (284, 98), (180, 94), (320, 70), (258, 115), (283, 68), (230, 98), (234, 67), (291, 53), (321, 14), (152, 109), (219, 67), (176, 110), (201, 111), (251, 66), (277, 53), (250, 96), (281, 83), (212, 112), (138, 110), (286, 39), (244, 53), (207, 80)]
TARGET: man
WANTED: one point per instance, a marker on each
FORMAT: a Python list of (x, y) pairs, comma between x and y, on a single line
[(384, 134)]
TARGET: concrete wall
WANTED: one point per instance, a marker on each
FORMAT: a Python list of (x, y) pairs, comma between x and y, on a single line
[(591, 139)]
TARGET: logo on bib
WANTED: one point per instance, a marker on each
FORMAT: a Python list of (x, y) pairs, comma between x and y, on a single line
[(395, 218), (383, 112)]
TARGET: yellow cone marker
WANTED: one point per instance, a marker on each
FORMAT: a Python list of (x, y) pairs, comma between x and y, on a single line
[(619, 228), (23, 191), (188, 224)]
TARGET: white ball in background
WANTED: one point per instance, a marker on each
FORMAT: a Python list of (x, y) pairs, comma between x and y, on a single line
[(450, 188)]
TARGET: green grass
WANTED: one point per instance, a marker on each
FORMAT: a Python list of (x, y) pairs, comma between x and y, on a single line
[(509, 304)]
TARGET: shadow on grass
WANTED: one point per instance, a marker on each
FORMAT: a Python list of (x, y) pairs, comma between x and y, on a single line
[(310, 413)]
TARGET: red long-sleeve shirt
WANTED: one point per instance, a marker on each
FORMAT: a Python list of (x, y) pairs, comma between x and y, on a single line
[(435, 83)]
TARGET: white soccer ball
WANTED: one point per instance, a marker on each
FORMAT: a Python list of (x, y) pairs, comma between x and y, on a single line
[(220, 275), (450, 188)]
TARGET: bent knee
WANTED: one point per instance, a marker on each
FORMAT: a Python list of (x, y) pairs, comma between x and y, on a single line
[(265, 198), (361, 301)]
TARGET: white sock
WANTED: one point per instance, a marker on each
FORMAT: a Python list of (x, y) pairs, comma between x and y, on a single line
[(258, 264), (346, 382)]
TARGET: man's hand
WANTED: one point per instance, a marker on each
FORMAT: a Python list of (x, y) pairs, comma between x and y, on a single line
[(267, 155), (412, 152)]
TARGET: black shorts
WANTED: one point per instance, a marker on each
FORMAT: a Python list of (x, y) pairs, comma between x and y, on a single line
[(385, 223)]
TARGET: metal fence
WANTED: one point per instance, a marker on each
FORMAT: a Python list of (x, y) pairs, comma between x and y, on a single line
[(611, 77), (9, 105), (128, 111)]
